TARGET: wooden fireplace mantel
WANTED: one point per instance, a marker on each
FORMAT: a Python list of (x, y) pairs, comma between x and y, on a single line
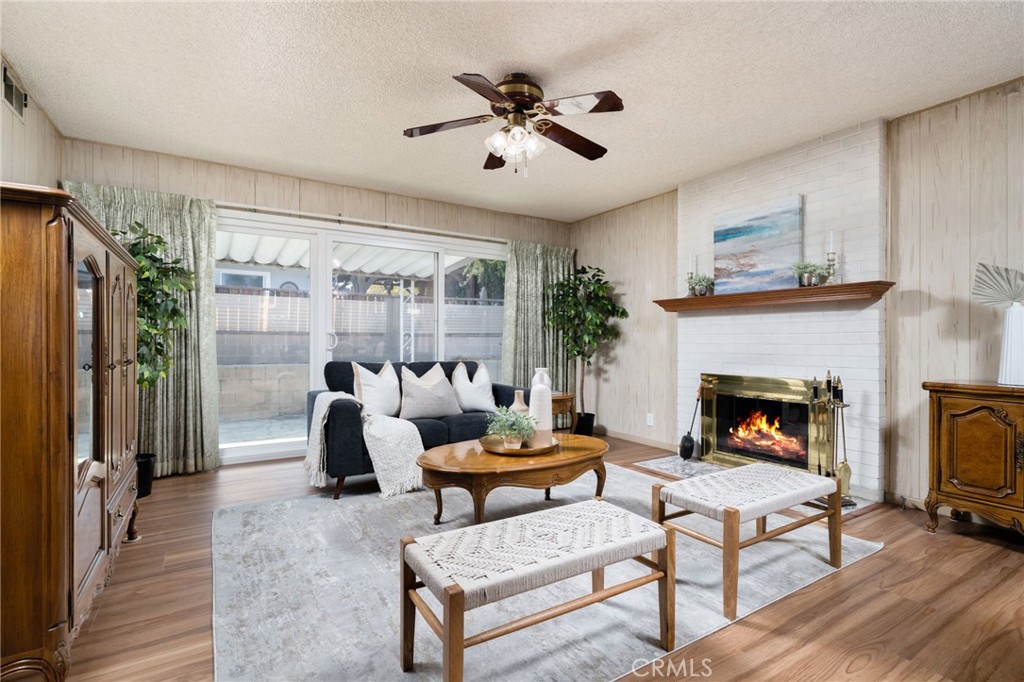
[(854, 291)]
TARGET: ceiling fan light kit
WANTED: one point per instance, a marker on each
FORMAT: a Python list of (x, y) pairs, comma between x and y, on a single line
[(519, 102)]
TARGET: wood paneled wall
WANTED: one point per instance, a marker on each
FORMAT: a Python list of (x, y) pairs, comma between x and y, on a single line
[(105, 164), (31, 147), (956, 199), (636, 246)]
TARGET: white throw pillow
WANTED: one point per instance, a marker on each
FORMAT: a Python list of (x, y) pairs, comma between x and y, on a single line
[(394, 445), (379, 393), (429, 396), (476, 395)]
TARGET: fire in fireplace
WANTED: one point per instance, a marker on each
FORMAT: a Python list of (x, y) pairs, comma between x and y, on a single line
[(763, 429), (746, 419)]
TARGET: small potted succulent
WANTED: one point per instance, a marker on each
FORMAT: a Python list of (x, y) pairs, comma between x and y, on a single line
[(810, 274), (701, 285), (513, 427)]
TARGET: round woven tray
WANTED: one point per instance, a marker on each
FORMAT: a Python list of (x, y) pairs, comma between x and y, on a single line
[(496, 445)]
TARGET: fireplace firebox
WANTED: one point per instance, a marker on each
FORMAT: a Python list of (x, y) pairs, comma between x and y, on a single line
[(748, 419)]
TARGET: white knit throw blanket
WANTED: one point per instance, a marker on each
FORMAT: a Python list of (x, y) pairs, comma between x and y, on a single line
[(393, 445), (316, 445)]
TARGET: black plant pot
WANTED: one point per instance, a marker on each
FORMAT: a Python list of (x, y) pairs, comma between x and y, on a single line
[(147, 466), (584, 424)]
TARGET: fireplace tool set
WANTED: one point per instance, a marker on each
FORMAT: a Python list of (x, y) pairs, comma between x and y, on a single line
[(832, 400)]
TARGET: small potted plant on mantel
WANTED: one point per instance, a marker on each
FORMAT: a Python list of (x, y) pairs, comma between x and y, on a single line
[(512, 427), (702, 285), (810, 274)]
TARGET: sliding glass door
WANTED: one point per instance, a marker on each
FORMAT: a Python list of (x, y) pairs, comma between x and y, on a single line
[(295, 293), (474, 306), (263, 337), (382, 303)]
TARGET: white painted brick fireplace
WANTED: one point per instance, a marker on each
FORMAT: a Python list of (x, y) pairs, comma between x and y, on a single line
[(842, 177)]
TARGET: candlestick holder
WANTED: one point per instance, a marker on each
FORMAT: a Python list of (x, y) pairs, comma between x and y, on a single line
[(830, 266), (689, 284)]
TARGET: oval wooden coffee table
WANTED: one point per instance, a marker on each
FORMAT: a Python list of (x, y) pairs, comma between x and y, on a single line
[(467, 465)]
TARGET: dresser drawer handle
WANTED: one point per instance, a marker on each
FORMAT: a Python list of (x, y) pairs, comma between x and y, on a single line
[(133, 487), (119, 515)]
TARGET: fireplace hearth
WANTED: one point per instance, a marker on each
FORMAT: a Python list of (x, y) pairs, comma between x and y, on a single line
[(747, 419)]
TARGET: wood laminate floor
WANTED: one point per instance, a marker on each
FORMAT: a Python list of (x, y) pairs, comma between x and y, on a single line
[(927, 607)]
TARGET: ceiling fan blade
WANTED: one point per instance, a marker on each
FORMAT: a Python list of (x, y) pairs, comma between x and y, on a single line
[(447, 125), (590, 103), (568, 139), (493, 162), (485, 88)]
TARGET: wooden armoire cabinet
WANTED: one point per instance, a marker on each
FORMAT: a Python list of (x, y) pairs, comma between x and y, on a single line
[(976, 452), (67, 422)]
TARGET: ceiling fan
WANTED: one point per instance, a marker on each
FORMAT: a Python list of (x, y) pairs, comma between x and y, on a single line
[(519, 101)]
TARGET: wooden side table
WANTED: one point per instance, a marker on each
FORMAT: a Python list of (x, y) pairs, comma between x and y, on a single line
[(564, 403)]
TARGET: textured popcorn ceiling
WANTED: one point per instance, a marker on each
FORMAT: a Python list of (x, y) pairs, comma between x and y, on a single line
[(324, 90)]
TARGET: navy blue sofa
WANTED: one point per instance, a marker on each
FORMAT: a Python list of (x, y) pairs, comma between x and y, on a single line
[(346, 451)]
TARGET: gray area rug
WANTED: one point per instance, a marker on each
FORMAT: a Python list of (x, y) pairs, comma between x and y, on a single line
[(674, 465), (307, 589)]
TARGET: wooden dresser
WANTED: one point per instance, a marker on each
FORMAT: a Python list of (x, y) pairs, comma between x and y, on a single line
[(67, 425), (976, 452)]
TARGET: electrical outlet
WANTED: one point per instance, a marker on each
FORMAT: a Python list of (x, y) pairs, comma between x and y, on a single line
[(650, 419)]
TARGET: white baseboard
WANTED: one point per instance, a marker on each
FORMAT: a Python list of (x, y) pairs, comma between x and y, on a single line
[(908, 502), (267, 453), (671, 447)]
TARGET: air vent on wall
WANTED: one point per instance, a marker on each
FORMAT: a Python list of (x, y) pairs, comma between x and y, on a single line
[(16, 98)]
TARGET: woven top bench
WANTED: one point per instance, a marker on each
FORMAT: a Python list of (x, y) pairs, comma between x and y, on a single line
[(496, 560), (750, 492), (755, 490), (469, 567)]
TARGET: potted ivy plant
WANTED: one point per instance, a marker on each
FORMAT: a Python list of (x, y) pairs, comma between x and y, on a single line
[(583, 310), (513, 427), (701, 285), (810, 274), (159, 283)]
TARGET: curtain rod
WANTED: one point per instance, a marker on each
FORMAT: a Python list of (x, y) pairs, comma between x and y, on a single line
[(340, 219)]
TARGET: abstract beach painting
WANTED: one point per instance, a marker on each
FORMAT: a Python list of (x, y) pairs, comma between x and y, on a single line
[(755, 248)]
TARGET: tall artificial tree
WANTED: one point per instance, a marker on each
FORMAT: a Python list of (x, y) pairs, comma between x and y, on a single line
[(583, 310), (159, 283)]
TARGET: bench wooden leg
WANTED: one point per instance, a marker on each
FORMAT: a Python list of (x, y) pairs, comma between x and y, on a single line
[(667, 591), (835, 528), (762, 524), (657, 506), (730, 561), (337, 487), (408, 622), (453, 640), (597, 580)]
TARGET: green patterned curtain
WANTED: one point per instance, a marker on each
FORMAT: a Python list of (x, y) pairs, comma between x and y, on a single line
[(528, 341), (178, 416)]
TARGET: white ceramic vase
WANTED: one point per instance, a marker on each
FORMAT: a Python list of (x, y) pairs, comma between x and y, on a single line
[(519, 404), (1011, 363), (540, 410), (541, 376)]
